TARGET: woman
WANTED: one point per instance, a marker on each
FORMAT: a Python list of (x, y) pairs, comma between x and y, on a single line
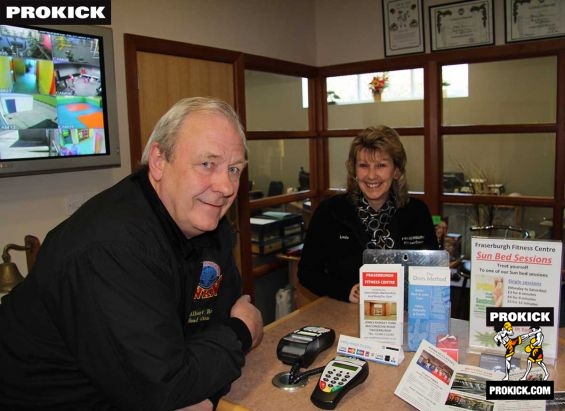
[(375, 212)]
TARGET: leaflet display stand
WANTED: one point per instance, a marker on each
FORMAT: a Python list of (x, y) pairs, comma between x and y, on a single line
[(407, 258), (393, 281)]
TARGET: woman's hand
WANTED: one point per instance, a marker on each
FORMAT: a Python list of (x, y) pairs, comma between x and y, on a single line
[(354, 294)]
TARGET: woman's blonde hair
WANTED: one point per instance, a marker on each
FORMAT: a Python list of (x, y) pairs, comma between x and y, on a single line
[(380, 139)]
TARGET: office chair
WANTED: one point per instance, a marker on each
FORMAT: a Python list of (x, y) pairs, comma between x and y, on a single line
[(275, 188), (303, 180)]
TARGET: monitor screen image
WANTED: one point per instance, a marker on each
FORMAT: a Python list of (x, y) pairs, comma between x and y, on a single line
[(57, 99)]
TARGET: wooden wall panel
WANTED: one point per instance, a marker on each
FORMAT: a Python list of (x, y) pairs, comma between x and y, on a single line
[(165, 79)]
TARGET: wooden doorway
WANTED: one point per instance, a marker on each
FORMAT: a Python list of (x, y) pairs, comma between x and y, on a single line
[(164, 79)]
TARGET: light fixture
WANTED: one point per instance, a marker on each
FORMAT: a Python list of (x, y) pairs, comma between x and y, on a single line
[(10, 275)]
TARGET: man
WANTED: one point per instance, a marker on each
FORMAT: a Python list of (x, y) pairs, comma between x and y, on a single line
[(134, 301)]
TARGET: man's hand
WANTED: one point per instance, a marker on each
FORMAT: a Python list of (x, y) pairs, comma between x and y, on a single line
[(251, 316)]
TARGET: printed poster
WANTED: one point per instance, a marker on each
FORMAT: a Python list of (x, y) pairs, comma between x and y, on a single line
[(507, 273)]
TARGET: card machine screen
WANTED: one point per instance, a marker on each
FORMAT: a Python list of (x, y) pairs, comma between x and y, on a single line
[(303, 345)]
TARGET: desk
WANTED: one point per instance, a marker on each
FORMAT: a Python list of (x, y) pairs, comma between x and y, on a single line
[(255, 391)]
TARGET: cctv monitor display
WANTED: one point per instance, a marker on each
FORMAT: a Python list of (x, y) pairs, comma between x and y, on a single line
[(57, 99)]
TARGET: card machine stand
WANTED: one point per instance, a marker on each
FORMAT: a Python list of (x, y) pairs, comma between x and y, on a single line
[(299, 349)]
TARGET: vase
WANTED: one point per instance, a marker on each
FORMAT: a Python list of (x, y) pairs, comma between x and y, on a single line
[(377, 97)]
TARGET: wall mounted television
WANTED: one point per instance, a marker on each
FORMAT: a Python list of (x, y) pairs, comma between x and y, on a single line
[(57, 99)]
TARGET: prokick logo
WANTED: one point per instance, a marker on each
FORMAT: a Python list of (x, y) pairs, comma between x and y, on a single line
[(503, 319), (56, 12), (522, 316)]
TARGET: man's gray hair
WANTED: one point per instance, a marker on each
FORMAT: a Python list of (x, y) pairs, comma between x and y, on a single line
[(167, 128)]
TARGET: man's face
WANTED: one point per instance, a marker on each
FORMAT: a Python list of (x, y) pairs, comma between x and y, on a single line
[(200, 182)]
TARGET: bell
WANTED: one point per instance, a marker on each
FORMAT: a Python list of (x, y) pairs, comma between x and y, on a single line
[(10, 276)]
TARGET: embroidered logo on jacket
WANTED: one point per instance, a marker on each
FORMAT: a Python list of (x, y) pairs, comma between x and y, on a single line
[(210, 279), (413, 240)]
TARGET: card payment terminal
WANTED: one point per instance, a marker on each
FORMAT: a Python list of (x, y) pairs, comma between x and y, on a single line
[(302, 346), (339, 377)]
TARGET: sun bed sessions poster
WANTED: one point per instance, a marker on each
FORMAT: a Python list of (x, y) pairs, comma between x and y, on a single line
[(514, 273)]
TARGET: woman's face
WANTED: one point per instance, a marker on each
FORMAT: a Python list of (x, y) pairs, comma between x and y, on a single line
[(441, 230), (375, 173)]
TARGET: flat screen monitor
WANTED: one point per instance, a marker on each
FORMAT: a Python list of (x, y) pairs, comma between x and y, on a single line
[(57, 99)]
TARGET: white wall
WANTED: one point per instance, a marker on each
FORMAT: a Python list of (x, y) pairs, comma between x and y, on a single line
[(274, 28), (348, 31)]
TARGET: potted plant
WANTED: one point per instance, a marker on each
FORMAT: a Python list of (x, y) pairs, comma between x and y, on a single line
[(332, 97), (378, 84)]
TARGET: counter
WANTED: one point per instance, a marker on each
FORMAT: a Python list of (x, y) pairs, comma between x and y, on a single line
[(255, 391)]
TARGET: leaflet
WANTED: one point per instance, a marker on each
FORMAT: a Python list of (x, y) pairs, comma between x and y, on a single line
[(429, 304), (381, 302), (435, 381)]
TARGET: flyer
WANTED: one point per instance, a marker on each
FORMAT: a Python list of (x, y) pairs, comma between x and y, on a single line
[(429, 304), (381, 302), (435, 381), (516, 274)]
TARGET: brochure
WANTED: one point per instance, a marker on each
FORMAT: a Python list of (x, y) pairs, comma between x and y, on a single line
[(435, 381), (381, 302), (498, 362), (429, 304), (557, 403)]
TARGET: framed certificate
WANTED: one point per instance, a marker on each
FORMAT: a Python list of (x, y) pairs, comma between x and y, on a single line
[(403, 27), (461, 24), (534, 19)]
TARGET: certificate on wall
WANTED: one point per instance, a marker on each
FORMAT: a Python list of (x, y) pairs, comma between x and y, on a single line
[(534, 19), (403, 27), (514, 275), (462, 24)]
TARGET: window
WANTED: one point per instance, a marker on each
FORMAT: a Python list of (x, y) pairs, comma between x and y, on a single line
[(503, 92), (275, 102), (455, 80), (354, 89), (277, 160), (402, 85)]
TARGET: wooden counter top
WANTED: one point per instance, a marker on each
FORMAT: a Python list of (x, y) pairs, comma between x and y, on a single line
[(254, 389)]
